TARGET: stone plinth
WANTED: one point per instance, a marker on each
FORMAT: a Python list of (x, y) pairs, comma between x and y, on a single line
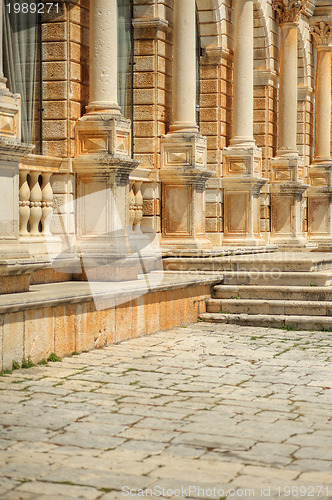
[(183, 176), (103, 165), (320, 205), (242, 182), (287, 188)]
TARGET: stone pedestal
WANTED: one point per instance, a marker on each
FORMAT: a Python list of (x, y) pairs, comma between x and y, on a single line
[(287, 188), (183, 176), (103, 161), (242, 182), (320, 205), (102, 168)]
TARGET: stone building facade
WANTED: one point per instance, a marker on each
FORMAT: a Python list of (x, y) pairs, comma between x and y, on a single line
[(208, 121), (223, 110)]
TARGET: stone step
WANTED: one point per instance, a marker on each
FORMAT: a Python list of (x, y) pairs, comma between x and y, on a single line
[(274, 262), (313, 323), (306, 279), (276, 307), (273, 292)]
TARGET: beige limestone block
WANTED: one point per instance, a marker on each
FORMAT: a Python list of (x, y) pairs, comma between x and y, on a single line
[(123, 318), (64, 329), (140, 319), (133, 326), (152, 301), (39, 333), (54, 51), (19, 284), (104, 323), (85, 326), (12, 340), (164, 310)]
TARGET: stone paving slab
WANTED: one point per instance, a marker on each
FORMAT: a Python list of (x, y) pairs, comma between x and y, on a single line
[(207, 411)]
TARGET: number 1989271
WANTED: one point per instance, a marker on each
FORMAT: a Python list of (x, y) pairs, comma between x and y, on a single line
[(33, 7)]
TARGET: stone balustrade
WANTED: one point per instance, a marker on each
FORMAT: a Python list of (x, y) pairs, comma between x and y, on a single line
[(135, 206), (35, 201)]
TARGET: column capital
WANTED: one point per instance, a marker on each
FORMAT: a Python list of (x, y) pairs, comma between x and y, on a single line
[(289, 11), (322, 34)]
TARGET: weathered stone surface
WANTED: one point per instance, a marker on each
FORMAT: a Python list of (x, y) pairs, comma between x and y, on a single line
[(209, 406)]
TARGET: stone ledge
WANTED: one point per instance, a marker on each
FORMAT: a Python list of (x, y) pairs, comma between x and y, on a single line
[(67, 318), (75, 292)]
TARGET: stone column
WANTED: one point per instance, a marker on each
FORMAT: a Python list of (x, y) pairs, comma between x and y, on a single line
[(242, 160), (103, 56), (322, 35), (288, 88), (287, 186), (243, 80), (184, 67), (103, 159), (183, 150), (320, 172)]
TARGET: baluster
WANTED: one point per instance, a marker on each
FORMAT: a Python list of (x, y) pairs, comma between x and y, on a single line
[(132, 208), (47, 203), (139, 207), (35, 204), (24, 204)]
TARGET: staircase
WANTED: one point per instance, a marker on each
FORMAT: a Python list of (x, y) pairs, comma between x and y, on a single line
[(282, 290)]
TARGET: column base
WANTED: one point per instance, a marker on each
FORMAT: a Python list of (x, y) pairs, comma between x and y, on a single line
[(291, 242), (103, 164), (183, 175), (242, 181), (320, 204), (287, 188)]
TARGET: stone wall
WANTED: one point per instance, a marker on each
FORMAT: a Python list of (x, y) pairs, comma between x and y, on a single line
[(65, 39), (35, 331)]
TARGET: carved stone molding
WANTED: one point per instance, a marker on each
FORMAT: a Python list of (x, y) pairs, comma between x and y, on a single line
[(289, 11), (322, 33)]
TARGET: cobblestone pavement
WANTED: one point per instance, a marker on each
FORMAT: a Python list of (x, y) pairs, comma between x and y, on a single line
[(206, 411)]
